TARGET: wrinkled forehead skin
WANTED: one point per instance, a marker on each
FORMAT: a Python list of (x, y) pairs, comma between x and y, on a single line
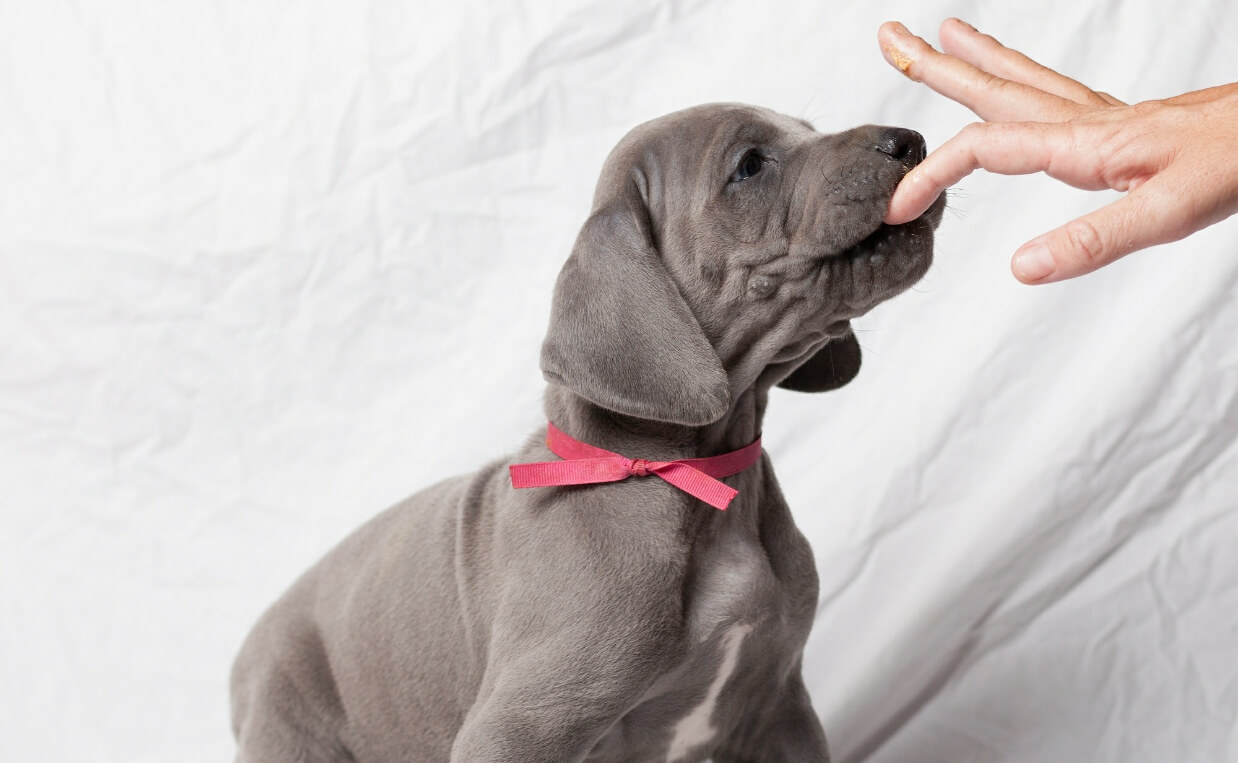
[(675, 156), (769, 266)]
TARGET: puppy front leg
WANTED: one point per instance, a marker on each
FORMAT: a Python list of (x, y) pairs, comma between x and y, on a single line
[(791, 733), (573, 646), (553, 706), (505, 729)]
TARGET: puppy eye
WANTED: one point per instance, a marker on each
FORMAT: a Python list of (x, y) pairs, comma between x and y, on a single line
[(750, 164)]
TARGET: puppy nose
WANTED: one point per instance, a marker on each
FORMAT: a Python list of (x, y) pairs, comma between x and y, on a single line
[(905, 146)]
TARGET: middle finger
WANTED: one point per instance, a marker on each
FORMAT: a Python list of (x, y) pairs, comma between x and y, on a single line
[(991, 98)]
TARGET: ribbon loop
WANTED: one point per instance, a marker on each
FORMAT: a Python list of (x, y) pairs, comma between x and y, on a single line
[(585, 464)]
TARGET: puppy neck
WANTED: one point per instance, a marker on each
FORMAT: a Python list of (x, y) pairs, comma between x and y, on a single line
[(656, 440)]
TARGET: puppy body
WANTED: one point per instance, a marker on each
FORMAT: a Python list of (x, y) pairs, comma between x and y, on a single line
[(550, 630), (623, 621)]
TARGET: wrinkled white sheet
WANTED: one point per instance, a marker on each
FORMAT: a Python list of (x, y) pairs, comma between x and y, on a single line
[(267, 267)]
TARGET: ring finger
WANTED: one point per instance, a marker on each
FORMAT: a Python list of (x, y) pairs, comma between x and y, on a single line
[(961, 40)]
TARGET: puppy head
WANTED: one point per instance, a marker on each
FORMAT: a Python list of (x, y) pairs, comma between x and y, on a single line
[(728, 247)]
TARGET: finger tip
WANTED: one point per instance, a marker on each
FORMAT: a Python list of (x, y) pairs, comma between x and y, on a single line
[(891, 29), (957, 26), (1034, 264), (953, 32), (904, 206), (897, 214), (887, 39)]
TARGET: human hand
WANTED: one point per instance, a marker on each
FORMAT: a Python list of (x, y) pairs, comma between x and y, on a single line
[(1174, 158)]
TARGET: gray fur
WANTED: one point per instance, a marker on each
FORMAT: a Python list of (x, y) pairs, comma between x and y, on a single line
[(474, 622)]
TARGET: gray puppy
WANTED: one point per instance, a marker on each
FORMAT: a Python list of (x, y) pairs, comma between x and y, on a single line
[(727, 250)]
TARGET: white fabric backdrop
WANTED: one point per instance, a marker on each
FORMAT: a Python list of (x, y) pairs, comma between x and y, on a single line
[(266, 268)]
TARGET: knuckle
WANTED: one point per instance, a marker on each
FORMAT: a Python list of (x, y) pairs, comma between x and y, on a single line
[(992, 43), (1148, 108), (1085, 244), (969, 144), (996, 86), (974, 131), (1159, 111)]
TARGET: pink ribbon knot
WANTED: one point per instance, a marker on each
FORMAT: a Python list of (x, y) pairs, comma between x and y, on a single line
[(584, 465), (639, 467)]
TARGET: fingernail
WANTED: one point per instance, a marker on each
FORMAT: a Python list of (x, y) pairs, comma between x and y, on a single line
[(1033, 262), (969, 26)]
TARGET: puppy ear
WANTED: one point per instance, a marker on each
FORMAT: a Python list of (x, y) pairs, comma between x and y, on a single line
[(621, 335), (829, 368)]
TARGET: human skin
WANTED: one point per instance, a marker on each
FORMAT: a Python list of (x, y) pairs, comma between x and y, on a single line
[(1173, 158)]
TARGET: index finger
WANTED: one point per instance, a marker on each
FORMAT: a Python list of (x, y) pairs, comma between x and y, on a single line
[(992, 98), (1007, 148)]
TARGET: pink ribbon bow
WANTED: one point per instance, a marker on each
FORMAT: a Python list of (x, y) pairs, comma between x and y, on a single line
[(585, 465)]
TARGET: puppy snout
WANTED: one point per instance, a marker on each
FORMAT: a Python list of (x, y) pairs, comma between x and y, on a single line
[(905, 146)]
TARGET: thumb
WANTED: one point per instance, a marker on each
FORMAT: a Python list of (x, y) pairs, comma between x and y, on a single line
[(1142, 218)]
